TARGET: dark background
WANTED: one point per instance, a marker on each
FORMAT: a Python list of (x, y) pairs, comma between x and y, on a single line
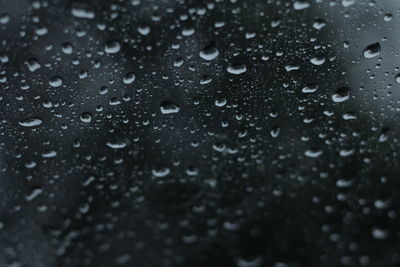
[(251, 171)]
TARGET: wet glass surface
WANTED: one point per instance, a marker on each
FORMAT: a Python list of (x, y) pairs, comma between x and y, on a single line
[(199, 133)]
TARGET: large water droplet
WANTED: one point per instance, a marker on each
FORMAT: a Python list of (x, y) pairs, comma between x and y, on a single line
[(33, 65), (299, 5), (161, 172), (55, 82), (67, 48), (86, 117), (112, 47), (82, 13), (310, 88), (30, 122), (372, 50), (209, 52), (144, 29), (116, 144), (237, 68), (168, 107), (129, 78), (341, 94)]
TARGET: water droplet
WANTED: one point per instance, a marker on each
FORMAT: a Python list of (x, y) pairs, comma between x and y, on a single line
[(80, 12), (112, 47), (86, 117), (55, 82), (4, 18), (161, 172), (310, 88), (209, 52), (314, 153), (275, 131), (168, 107), (299, 5), (30, 122), (117, 144), (341, 94), (237, 68), (205, 79), (317, 61), (144, 29), (49, 154), (347, 3), (34, 193), (220, 102), (397, 78), (290, 68), (388, 17), (33, 65), (379, 233), (129, 78), (372, 50), (188, 31), (67, 48), (319, 24)]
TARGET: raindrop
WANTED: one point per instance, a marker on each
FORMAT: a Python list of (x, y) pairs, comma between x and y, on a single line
[(372, 50), (341, 94), (30, 122), (168, 107), (33, 65), (317, 61), (144, 29), (397, 78), (347, 3), (379, 233), (237, 68), (117, 144), (49, 154), (129, 78), (209, 52), (4, 18), (314, 153), (86, 117), (82, 13), (55, 82), (112, 47), (67, 48), (299, 5), (310, 88), (161, 172)]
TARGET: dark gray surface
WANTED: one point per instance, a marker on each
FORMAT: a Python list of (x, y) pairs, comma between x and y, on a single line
[(191, 133)]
